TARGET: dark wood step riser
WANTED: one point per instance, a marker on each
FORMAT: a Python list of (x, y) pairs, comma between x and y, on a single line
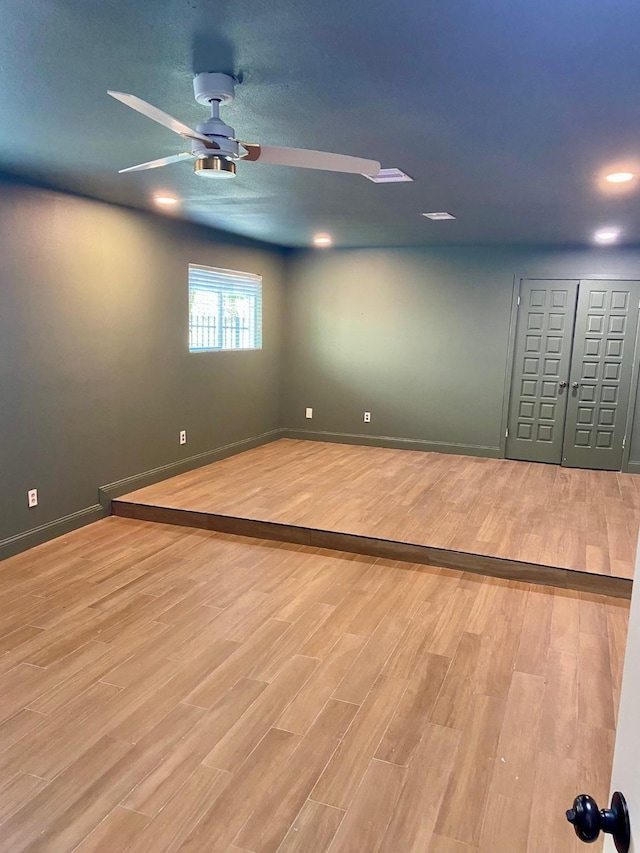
[(372, 547)]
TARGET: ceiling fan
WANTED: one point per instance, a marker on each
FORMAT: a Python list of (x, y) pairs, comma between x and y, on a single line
[(214, 148)]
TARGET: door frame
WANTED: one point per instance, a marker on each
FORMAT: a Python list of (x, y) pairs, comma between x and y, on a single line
[(513, 321)]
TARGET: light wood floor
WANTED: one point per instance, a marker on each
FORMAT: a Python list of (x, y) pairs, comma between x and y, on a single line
[(172, 690), (561, 517)]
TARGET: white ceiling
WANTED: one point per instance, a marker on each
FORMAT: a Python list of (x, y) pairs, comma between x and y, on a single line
[(503, 112)]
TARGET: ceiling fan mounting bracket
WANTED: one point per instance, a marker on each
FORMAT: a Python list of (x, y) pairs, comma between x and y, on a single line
[(213, 86)]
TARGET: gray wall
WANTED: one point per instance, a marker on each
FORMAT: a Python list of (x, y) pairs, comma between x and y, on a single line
[(95, 376), (419, 337), (96, 380)]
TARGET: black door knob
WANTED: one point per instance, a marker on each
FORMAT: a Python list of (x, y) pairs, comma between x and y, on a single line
[(588, 821)]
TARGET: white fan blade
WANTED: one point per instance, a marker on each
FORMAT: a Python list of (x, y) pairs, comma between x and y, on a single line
[(153, 164), (162, 118), (311, 159)]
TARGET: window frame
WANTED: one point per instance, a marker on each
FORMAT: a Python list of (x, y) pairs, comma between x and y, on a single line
[(240, 279)]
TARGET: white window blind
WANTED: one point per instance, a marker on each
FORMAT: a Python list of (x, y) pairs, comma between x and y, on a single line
[(225, 309)]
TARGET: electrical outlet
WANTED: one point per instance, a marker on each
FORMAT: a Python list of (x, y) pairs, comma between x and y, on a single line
[(367, 417), (32, 497), (308, 413), (183, 436)]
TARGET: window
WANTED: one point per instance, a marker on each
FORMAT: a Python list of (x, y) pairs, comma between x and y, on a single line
[(225, 309)]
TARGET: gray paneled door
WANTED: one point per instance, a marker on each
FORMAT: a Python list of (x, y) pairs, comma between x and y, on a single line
[(542, 360), (601, 368), (573, 364)]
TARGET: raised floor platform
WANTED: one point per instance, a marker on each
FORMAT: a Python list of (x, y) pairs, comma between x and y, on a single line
[(538, 523)]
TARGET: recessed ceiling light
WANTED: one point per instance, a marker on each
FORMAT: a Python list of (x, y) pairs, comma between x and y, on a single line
[(389, 176), (165, 200), (322, 240), (439, 215), (620, 177), (606, 235)]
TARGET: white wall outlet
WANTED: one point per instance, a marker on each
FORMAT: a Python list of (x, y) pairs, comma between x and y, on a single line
[(308, 412), (183, 436), (32, 497), (367, 417)]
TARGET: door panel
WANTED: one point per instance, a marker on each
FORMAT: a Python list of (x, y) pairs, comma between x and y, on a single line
[(542, 360), (601, 368), (626, 759)]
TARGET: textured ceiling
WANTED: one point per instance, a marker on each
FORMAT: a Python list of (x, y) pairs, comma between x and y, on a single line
[(504, 111)]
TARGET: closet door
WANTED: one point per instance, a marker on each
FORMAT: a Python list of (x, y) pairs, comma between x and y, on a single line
[(541, 366), (601, 368)]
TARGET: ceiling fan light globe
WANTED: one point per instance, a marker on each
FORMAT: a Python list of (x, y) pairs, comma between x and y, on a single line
[(215, 167)]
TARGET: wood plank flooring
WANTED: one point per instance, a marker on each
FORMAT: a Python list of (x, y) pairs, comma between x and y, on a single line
[(568, 518), (178, 690)]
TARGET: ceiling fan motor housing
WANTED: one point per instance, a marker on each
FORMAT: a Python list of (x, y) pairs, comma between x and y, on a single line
[(221, 134)]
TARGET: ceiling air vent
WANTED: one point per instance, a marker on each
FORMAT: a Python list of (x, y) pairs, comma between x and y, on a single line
[(440, 215), (389, 176)]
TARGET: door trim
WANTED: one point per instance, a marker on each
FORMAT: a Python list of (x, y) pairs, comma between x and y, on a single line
[(506, 393), (635, 371), (633, 393)]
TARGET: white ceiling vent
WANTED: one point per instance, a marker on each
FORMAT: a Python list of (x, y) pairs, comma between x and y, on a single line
[(440, 215), (389, 176)]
